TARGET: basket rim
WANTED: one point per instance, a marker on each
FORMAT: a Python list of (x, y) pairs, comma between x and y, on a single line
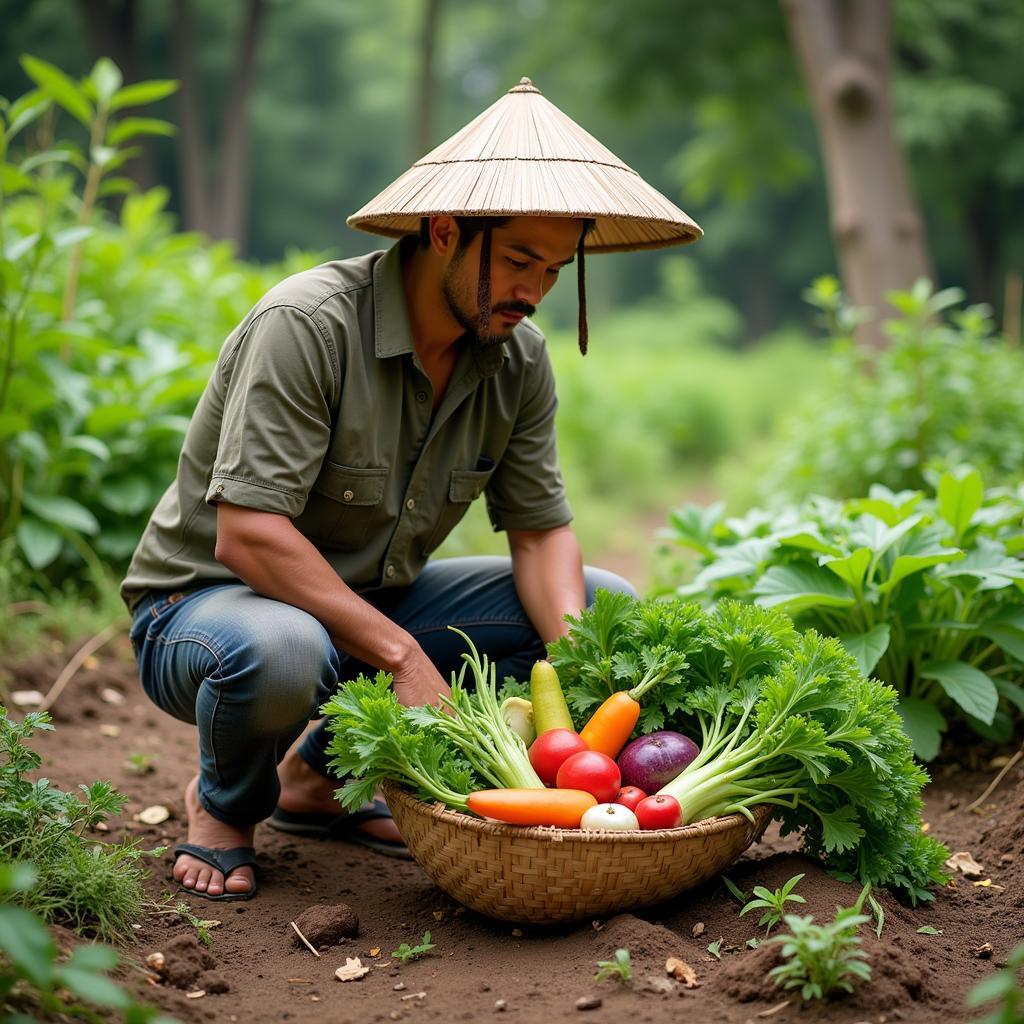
[(710, 826)]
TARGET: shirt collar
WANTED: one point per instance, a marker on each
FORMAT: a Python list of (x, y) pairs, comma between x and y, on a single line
[(392, 333)]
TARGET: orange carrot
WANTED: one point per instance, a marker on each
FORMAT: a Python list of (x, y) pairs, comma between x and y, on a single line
[(610, 725), (562, 808)]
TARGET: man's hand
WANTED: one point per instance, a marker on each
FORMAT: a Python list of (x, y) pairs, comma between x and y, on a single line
[(417, 681)]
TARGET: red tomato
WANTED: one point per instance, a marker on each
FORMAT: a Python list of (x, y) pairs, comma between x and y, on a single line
[(660, 811), (629, 796), (593, 772), (550, 749)]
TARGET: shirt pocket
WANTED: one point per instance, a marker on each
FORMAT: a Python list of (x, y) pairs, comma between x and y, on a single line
[(464, 487), (345, 506)]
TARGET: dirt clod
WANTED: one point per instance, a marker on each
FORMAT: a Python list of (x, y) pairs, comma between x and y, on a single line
[(326, 925), (214, 982), (184, 960)]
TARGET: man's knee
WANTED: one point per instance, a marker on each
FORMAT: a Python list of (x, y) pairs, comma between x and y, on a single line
[(595, 578), (293, 668)]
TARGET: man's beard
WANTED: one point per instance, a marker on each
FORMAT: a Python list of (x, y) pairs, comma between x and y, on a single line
[(458, 298)]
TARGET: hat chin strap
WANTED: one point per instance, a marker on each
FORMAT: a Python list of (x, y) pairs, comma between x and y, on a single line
[(581, 291), (483, 288)]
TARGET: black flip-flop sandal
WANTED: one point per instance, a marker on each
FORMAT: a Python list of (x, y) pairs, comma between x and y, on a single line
[(341, 826), (225, 861)]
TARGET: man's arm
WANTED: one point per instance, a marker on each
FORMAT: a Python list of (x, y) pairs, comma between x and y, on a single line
[(264, 550), (547, 569)]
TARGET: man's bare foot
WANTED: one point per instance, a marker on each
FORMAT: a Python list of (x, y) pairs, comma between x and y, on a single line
[(206, 830), (305, 791)]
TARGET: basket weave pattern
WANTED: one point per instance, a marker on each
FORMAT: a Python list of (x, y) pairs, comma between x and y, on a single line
[(547, 875)]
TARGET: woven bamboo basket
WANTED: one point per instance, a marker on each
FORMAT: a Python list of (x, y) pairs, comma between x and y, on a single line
[(547, 875)]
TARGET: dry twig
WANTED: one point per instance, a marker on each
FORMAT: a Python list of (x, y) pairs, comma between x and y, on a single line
[(304, 939), (89, 647), (995, 782)]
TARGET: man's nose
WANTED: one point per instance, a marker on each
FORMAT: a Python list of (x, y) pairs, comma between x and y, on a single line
[(531, 291)]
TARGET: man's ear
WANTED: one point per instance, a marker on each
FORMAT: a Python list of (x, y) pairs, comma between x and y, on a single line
[(444, 233)]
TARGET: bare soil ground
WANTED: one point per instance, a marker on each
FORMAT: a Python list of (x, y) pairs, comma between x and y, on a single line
[(255, 969)]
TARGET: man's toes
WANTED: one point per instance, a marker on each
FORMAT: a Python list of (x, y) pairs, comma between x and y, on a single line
[(203, 879), (239, 881)]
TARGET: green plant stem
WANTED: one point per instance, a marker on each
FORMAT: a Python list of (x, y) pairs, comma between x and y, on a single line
[(92, 184)]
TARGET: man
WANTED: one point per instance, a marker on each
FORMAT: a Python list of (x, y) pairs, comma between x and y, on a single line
[(351, 419)]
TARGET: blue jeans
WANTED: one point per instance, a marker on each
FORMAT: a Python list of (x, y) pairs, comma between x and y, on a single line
[(250, 672)]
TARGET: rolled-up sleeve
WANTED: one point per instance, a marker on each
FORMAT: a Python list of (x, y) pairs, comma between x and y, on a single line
[(280, 386), (526, 491)]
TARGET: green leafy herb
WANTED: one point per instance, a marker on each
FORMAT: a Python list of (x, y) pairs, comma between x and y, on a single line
[(405, 952), (620, 968), (822, 959), (774, 903)]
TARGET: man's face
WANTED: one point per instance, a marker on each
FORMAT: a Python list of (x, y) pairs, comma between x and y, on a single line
[(526, 256)]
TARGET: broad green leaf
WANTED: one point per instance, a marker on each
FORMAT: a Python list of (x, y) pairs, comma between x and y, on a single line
[(129, 127), (11, 423), (868, 647), (798, 587), (850, 569), (918, 551), (24, 938), (56, 84), (69, 236), (106, 79), (810, 540), (840, 829), (86, 443), (93, 956), (24, 115), (966, 685), (39, 542), (62, 511), (103, 156), (1009, 639), (126, 496), (959, 499), (988, 563), (96, 988), (1011, 692), (17, 876), (924, 724), (19, 248), (138, 93), (743, 559), (882, 503), (13, 180)]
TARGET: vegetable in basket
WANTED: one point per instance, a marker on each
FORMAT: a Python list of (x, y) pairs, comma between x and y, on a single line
[(549, 707), (561, 808), (783, 718)]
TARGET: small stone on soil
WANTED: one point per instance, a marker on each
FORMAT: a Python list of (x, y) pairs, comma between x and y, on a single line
[(984, 951), (500, 1005), (588, 1002), (697, 930), (326, 925)]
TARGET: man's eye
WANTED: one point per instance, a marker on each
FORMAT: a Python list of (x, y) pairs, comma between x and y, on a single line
[(518, 264)]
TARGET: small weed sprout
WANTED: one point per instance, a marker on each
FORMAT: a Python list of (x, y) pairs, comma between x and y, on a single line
[(774, 903), (140, 764), (620, 968), (405, 952), (715, 948), (822, 958), (1006, 988)]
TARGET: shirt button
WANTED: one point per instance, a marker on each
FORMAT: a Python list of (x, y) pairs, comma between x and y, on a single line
[(421, 396), (348, 495), (389, 571), (410, 503), (220, 488)]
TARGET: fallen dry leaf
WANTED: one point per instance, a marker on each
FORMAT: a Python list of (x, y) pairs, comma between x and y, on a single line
[(375, 951), (352, 970), (154, 815), (1000, 761), (198, 994), (27, 698), (438, 915), (681, 971), (965, 864), (697, 930), (110, 730), (111, 696), (774, 1010)]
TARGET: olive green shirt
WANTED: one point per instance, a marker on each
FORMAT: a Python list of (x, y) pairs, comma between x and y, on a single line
[(319, 409)]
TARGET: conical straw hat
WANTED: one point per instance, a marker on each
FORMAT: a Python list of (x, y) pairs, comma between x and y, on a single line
[(523, 157)]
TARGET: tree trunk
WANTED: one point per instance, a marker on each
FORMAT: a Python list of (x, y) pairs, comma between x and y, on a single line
[(844, 51), (426, 83), (112, 27), (191, 147), (234, 171)]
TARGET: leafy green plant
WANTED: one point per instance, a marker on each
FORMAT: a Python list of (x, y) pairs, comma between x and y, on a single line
[(405, 952), (773, 903), (945, 391), (925, 592), (80, 882), (821, 959), (715, 948), (1006, 988), (140, 764), (98, 320), (33, 975), (620, 968)]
